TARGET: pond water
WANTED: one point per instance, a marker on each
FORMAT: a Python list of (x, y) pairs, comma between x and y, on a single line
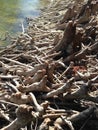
[(14, 12)]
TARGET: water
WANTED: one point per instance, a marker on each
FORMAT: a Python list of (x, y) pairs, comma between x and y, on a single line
[(14, 12)]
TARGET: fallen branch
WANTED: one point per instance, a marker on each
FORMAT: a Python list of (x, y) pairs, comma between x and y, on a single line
[(37, 86), (61, 90)]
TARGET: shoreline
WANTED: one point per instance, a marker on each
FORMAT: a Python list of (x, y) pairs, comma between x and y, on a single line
[(49, 73)]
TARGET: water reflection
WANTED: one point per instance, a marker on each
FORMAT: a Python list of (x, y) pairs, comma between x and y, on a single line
[(12, 12)]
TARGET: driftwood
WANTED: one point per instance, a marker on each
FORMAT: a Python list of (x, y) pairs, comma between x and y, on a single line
[(49, 73)]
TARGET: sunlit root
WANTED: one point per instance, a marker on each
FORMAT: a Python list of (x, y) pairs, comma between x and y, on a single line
[(18, 98), (45, 124), (39, 108), (54, 116), (63, 122), (61, 90), (4, 116), (38, 86), (24, 116), (36, 78)]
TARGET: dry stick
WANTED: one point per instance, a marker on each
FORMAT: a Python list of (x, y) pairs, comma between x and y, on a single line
[(39, 50), (74, 56), (87, 76), (59, 81), (8, 76), (57, 127), (82, 76), (68, 123), (36, 78), (82, 53), (45, 124), (59, 111), (52, 55), (6, 67), (25, 56), (39, 60), (16, 82), (38, 107), (59, 63), (16, 62), (61, 90), (13, 87), (54, 115), (93, 47), (4, 116), (24, 116), (55, 86), (94, 79), (34, 70), (9, 103), (78, 94), (68, 68)]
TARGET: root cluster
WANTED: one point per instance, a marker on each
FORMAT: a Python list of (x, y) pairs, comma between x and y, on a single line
[(49, 74)]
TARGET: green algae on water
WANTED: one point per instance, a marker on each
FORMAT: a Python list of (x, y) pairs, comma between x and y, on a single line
[(14, 12)]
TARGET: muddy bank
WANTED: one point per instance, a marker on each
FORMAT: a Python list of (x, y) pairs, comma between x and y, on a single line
[(49, 74)]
